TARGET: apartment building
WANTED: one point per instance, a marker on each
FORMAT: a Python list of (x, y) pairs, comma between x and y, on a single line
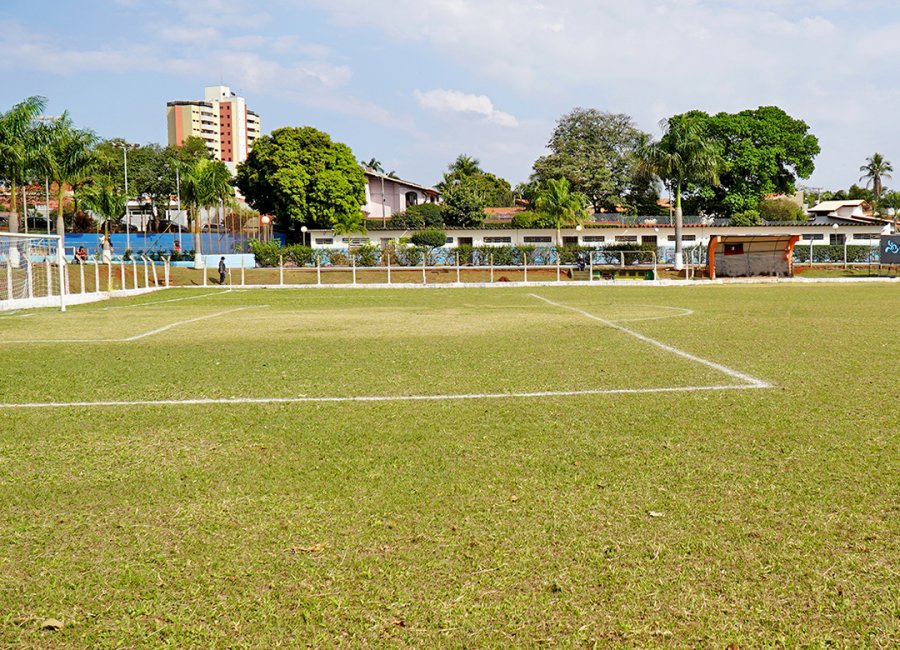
[(221, 119)]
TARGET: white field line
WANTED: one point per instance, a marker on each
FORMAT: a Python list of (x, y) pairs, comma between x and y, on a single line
[(374, 398), (752, 382), (16, 315), (682, 312), (162, 302), (136, 337)]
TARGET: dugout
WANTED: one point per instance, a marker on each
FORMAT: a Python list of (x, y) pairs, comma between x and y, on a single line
[(744, 256)]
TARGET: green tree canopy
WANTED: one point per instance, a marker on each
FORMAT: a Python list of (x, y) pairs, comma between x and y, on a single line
[(429, 237), (595, 152), (560, 205), (19, 147), (782, 210), (465, 172), (303, 177), (463, 207), (765, 151), (876, 170)]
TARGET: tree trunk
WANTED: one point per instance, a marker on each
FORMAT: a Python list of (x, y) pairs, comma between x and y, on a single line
[(60, 218), (198, 242), (13, 209), (679, 245)]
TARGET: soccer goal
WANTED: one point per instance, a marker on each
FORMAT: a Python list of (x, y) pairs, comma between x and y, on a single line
[(32, 272)]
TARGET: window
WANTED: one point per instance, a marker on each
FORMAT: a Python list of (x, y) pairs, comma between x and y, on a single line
[(326, 241), (358, 241), (648, 239), (538, 240), (449, 240), (837, 239), (866, 237), (626, 238), (734, 249), (498, 240), (412, 198), (593, 239), (813, 237), (683, 238)]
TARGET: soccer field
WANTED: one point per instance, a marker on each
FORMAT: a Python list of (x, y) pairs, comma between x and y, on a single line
[(574, 466)]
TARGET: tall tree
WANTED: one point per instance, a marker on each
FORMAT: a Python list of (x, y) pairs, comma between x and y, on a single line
[(68, 160), (876, 170), (464, 165), (106, 200), (305, 178), (373, 165), (18, 148), (465, 172), (765, 152), (204, 185), (560, 205), (683, 155), (594, 151)]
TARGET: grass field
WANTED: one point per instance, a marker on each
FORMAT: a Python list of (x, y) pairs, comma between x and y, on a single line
[(740, 487)]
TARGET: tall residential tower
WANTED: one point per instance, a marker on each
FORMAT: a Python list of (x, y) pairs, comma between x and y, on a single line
[(221, 119)]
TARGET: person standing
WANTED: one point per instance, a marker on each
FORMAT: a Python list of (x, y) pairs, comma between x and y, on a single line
[(222, 271)]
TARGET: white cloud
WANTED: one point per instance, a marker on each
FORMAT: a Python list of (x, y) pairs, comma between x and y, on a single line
[(458, 102)]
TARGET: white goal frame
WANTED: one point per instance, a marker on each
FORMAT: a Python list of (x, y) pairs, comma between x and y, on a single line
[(8, 300)]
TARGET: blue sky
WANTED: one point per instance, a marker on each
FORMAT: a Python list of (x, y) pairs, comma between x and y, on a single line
[(416, 82)]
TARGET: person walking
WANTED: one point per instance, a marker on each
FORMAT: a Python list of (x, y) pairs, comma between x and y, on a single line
[(222, 271)]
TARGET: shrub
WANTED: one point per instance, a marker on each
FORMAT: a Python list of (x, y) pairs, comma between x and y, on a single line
[(410, 255), (266, 253), (781, 210), (429, 238), (430, 213), (746, 218), (299, 254), (337, 258), (366, 255)]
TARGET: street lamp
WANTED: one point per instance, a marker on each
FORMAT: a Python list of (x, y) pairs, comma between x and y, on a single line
[(265, 220), (305, 230)]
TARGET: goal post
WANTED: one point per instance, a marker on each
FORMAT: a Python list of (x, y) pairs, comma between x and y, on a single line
[(32, 271)]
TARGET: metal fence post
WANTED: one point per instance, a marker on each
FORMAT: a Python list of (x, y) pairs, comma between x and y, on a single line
[(353, 266), (525, 260), (9, 281), (81, 269), (166, 270), (557, 267), (242, 270), (845, 253), (457, 268), (424, 265), (591, 266), (318, 270), (281, 270), (122, 272), (492, 267), (389, 267), (96, 276), (134, 275), (146, 273)]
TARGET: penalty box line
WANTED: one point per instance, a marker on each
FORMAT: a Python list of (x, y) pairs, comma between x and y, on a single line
[(225, 401), (136, 337), (752, 382)]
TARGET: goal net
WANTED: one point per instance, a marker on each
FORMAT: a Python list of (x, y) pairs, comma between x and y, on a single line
[(32, 272)]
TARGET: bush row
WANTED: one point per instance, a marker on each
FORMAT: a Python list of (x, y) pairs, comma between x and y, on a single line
[(274, 253)]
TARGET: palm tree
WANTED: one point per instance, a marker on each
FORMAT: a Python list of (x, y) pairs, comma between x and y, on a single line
[(203, 186), (683, 155), (875, 171), (560, 204), (104, 199), (464, 166), (373, 165), (68, 160), (18, 148)]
